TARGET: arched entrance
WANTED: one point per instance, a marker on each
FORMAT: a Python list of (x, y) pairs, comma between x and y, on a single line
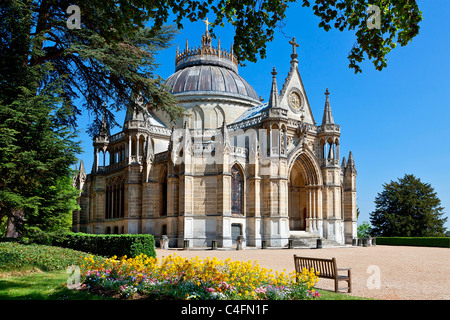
[(304, 197), (297, 199)]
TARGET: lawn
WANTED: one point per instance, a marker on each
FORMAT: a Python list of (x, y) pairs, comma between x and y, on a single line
[(41, 286)]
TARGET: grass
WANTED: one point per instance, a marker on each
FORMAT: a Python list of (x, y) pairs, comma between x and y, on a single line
[(37, 272), (331, 295), (41, 286)]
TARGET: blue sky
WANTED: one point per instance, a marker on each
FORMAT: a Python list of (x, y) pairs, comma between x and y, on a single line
[(394, 121)]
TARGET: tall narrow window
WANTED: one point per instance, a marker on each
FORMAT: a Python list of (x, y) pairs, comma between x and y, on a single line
[(107, 201), (163, 195), (237, 190), (122, 199)]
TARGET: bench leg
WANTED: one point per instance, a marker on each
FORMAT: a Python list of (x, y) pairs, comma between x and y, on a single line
[(349, 281), (336, 285)]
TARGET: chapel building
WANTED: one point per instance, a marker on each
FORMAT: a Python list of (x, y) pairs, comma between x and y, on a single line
[(233, 166)]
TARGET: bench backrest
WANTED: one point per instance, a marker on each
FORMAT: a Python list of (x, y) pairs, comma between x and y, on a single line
[(326, 267)]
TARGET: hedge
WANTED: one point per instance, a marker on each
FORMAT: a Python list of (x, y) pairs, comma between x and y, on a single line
[(106, 245), (415, 241)]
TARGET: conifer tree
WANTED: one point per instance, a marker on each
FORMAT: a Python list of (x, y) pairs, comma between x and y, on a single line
[(37, 150), (408, 208)]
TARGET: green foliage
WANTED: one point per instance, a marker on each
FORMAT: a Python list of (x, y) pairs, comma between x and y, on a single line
[(37, 146), (255, 23), (399, 23), (110, 59), (15, 256), (37, 150), (363, 230), (106, 245), (415, 241), (407, 208)]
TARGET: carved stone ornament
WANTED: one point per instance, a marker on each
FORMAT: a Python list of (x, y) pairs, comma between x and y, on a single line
[(296, 100)]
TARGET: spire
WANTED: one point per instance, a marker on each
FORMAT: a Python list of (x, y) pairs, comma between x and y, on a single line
[(104, 127), (218, 48), (103, 132), (82, 170), (273, 100), (327, 115), (343, 164), (135, 112), (351, 163)]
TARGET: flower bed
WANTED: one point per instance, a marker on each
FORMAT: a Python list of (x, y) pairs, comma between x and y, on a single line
[(174, 277)]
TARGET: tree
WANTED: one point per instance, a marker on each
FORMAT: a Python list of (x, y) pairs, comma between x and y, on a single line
[(363, 229), (407, 208), (112, 56), (110, 59), (36, 153)]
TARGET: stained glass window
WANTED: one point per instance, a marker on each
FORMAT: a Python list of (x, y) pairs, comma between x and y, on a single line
[(237, 190)]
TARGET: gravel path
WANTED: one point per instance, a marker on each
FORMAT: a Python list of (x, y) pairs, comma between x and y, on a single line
[(405, 273)]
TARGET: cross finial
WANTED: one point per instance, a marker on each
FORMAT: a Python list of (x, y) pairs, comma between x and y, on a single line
[(207, 23), (294, 44)]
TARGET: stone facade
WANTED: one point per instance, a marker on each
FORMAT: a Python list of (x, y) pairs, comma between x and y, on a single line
[(233, 166)]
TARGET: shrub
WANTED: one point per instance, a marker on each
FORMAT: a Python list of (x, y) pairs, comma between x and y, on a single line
[(100, 244), (415, 241), (15, 257)]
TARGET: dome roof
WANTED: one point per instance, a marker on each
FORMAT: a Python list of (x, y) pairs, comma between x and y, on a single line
[(209, 70), (218, 79)]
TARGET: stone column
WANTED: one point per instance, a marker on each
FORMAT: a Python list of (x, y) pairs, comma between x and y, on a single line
[(129, 149)]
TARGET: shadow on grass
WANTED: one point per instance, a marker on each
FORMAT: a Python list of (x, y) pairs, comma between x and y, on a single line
[(41, 286)]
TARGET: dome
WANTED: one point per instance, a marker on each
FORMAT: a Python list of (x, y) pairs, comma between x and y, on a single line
[(209, 78), (210, 71)]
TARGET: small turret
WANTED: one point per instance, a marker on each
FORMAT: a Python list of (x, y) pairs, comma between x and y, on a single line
[(343, 164), (351, 168), (329, 134), (273, 100), (327, 114)]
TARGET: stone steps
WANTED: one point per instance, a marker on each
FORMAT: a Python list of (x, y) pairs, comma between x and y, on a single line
[(304, 239)]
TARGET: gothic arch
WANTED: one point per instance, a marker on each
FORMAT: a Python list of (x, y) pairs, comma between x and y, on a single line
[(308, 164), (237, 189), (197, 118), (219, 117)]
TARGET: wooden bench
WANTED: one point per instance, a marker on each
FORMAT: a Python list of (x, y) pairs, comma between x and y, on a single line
[(327, 268)]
